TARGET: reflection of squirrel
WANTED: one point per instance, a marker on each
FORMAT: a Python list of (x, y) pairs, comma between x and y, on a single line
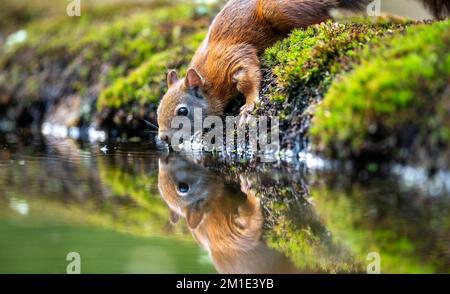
[(226, 221), (227, 62)]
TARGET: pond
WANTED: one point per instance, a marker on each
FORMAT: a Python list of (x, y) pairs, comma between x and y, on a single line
[(134, 208)]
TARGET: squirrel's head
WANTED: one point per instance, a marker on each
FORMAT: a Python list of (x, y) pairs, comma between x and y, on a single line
[(225, 218), (185, 188), (192, 191), (182, 98)]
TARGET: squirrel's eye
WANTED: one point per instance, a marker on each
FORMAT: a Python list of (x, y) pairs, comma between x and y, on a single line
[(183, 188), (183, 111)]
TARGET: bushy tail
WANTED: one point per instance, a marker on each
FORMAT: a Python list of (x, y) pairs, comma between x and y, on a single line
[(353, 4), (440, 8), (285, 15)]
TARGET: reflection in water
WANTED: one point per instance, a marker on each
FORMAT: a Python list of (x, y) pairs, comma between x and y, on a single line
[(225, 218), (59, 196)]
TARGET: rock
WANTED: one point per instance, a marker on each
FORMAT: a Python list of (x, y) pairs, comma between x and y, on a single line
[(66, 112)]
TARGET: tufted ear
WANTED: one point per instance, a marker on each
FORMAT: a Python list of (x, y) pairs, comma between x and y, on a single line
[(193, 79), (172, 78)]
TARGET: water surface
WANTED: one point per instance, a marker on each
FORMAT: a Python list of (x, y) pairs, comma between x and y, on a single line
[(131, 208)]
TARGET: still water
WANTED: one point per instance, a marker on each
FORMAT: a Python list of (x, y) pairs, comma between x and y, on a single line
[(131, 208)]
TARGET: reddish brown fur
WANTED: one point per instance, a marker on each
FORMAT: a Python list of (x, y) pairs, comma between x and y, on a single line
[(228, 59), (239, 34)]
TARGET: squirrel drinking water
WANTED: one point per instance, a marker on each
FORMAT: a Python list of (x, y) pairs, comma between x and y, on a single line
[(227, 62)]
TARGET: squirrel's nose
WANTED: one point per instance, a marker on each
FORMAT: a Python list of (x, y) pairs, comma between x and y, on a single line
[(164, 136)]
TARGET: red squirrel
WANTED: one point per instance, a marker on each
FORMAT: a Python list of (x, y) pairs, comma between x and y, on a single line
[(227, 62)]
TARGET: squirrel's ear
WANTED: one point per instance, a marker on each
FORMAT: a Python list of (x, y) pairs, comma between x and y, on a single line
[(193, 218), (172, 78), (174, 217), (193, 79)]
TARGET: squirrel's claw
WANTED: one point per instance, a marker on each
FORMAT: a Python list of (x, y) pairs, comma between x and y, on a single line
[(245, 114)]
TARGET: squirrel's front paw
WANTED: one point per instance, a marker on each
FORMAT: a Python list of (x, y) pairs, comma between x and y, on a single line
[(246, 185), (245, 114)]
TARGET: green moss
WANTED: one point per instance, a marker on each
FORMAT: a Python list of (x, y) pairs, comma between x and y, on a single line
[(65, 56), (146, 84), (306, 63), (142, 85), (16, 14), (123, 43), (398, 97), (300, 69)]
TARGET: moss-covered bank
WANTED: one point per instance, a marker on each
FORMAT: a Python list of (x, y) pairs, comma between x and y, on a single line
[(377, 88), (374, 90), (395, 104), (112, 60), (300, 69)]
